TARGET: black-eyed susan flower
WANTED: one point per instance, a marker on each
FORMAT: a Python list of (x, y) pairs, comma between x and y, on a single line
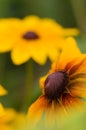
[(32, 37), (64, 89)]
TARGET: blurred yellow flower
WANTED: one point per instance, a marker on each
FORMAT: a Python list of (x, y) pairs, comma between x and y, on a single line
[(64, 87), (2, 91), (32, 37), (6, 33), (11, 120), (2, 112)]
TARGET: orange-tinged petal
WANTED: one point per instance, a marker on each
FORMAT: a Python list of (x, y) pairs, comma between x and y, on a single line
[(71, 103), (78, 88), (78, 76), (36, 110), (55, 114), (49, 113), (69, 52), (2, 91), (79, 66), (79, 91), (67, 55)]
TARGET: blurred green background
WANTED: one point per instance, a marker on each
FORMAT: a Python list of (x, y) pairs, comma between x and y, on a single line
[(69, 13)]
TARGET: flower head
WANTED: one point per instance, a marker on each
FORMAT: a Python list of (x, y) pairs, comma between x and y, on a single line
[(63, 87), (32, 37)]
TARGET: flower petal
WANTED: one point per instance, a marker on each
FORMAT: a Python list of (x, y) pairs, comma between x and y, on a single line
[(20, 53), (7, 33), (70, 31), (2, 111), (57, 30), (36, 110), (79, 66), (78, 88), (69, 53), (39, 53), (71, 103), (2, 91), (55, 114)]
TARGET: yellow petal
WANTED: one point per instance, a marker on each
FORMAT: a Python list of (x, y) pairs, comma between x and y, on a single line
[(2, 91), (7, 34), (70, 31), (2, 111), (39, 54), (69, 53), (20, 53), (72, 103), (36, 110), (57, 30), (13, 119), (53, 53), (79, 66), (32, 20), (77, 88), (55, 114), (52, 28)]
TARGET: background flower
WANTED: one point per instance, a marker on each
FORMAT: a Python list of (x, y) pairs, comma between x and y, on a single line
[(2, 91), (27, 38), (11, 120)]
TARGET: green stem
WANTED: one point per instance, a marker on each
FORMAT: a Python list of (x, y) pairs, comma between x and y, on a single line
[(29, 84)]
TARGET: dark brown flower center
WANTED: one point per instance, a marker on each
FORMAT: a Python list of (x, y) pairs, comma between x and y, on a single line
[(55, 84), (30, 35)]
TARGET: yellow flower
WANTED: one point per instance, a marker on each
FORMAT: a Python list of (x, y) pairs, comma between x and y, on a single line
[(3, 123), (64, 87), (2, 112), (11, 120), (2, 91), (32, 37)]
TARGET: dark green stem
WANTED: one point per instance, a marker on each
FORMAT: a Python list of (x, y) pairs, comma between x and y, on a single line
[(29, 84)]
